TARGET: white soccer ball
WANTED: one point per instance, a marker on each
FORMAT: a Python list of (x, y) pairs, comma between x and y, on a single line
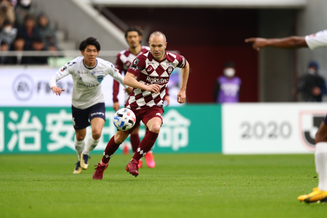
[(124, 119)]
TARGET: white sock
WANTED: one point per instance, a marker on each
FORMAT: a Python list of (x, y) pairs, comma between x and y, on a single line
[(320, 158), (79, 146), (91, 144)]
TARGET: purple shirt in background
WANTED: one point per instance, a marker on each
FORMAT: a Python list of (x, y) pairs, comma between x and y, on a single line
[(229, 89)]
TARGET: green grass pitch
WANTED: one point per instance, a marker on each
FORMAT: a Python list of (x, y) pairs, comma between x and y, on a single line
[(181, 185)]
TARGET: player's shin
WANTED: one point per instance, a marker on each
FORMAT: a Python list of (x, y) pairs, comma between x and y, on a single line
[(135, 141), (146, 144), (79, 146), (91, 144), (321, 164), (109, 150)]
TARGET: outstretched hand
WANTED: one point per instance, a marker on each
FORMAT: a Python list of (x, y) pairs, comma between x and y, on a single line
[(57, 90), (257, 42)]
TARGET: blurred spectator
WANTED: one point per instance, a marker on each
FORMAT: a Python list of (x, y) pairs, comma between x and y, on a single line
[(227, 86), (47, 32), (8, 32), (18, 46), (6, 12), (3, 48), (23, 8), (312, 86), (37, 45), (29, 30)]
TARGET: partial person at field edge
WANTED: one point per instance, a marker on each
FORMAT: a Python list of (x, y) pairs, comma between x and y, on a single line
[(313, 41)]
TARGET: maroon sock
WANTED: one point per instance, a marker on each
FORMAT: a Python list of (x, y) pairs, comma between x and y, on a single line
[(135, 141), (145, 145), (110, 150)]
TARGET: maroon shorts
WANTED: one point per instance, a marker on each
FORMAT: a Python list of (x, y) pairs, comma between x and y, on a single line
[(145, 114)]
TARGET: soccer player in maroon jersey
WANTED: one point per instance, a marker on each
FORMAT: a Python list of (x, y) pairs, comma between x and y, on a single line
[(149, 74), (124, 59)]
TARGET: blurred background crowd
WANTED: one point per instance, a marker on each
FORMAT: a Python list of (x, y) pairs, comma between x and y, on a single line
[(25, 28)]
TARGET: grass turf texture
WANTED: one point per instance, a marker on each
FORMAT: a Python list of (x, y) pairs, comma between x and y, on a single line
[(189, 185)]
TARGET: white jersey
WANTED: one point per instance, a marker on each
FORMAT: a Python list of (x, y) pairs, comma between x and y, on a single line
[(317, 40), (86, 80)]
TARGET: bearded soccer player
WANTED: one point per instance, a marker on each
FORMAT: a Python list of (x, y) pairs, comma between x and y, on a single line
[(133, 37), (149, 73), (88, 105), (313, 41)]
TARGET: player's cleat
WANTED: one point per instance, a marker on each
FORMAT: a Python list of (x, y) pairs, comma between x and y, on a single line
[(132, 167), (316, 196), (77, 169), (303, 197), (98, 174), (150, 160), (140, 164), (84, 161)]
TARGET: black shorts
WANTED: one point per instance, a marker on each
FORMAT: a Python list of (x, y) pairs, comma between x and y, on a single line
[(82, 117), (325, 120)]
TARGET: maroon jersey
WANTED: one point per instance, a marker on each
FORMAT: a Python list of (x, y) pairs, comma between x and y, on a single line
[(150, 71), (123, 62)]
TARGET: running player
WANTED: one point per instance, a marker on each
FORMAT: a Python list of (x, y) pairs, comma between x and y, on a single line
[(88, 105), (149, 73), (133, 37), (312, 41)]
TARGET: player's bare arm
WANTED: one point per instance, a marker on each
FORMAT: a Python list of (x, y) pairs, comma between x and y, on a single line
[(287, 42), (181, 97), (131, 81), (57, 90)]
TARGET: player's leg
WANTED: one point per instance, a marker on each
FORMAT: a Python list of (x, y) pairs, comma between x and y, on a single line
[(79, 146), (135, 142), (319, 193), (149, 157), (153, 121), (96, 115), (80, 122), (110, 149)]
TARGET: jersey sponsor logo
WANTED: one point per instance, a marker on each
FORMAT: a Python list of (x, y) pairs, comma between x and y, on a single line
[(97, 72), (88, 85), (153, 80), (100, 78)]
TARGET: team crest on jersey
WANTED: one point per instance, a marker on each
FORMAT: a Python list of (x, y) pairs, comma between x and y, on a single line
[(150, 69), (100, 78), (170, 70)]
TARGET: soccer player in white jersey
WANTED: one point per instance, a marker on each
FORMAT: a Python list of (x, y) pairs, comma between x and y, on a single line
[(124, 59), (313, 41), (88, 105), (148, 69)]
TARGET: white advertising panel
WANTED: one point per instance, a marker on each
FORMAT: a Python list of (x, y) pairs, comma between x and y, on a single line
[(29, 87), (270, 128)]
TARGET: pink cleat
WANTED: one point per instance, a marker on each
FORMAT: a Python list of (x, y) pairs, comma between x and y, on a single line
[(98, 174), (132, 167), (150, 160), (140, 164)]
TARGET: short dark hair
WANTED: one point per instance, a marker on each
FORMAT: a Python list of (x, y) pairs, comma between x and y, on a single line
[(133, 29), (229, 64), (89, 41)]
